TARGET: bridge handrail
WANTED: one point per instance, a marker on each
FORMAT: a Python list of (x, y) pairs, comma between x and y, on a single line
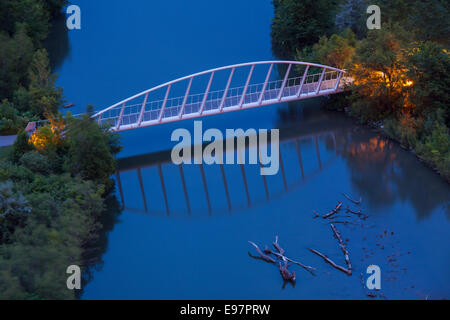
[(215, 70)]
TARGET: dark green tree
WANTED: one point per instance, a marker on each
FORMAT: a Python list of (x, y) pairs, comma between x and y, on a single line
[(91, 150), (45, 97), (298, 24), (429, 69)]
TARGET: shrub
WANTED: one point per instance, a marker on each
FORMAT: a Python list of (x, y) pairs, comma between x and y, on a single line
[(36, 162), (20, 147)]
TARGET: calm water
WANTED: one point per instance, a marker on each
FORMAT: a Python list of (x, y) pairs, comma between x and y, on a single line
[(188, 240)]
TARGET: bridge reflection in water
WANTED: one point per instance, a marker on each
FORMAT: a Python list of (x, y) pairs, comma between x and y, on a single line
[(257, 189)]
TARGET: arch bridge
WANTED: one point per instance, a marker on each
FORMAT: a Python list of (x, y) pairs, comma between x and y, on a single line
[(187, 97)]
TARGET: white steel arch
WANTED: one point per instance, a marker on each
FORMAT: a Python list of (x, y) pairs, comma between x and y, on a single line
[(141, 110)]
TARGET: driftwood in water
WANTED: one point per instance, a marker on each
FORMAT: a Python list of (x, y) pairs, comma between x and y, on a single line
[(358, 213), (334, 211), (284, 258), (354, 201), (276, 245), (342, 245), (262, 255), (331, 262), (281, 259), (285, 273)]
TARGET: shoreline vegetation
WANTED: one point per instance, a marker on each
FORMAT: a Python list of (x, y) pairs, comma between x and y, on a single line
[(401, 72), (56, 194)]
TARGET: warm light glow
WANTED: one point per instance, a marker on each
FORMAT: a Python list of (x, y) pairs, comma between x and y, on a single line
[(50, 134)]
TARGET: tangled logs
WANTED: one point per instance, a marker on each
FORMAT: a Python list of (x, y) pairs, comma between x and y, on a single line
[(280, 260)]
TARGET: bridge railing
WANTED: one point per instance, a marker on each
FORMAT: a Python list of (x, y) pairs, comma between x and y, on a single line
[(129, 115), (148, 108)]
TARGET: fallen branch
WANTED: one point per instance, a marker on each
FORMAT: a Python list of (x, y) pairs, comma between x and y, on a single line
[(285, 274), (335, 210), (284, 258), (341, 243), (358, 213), (346, 271), (354, 201), (263, 256), (343, 222), (316, 214), (276, 245)]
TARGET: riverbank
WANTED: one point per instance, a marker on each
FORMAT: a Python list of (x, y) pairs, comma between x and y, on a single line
[(56, 191), (401, 72)]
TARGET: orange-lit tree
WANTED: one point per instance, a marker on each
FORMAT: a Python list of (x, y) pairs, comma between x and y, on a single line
[(380, 77), (50, 136)]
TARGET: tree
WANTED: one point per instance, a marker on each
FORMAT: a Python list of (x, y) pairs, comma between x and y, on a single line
[(13, 210), (379, 73), (338, 51), (20, 147), (428, 68), (91, 150), (45, 98), (426, 20), (15, 57), (10, 119), (31, 14), (300, 23), (352, 14)]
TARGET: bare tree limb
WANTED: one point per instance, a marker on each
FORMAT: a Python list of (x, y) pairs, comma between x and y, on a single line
[(342, 245), (324, 257), (358, 213), (354, 201), (284, 258), (276, 245), (263, 256), (286, 274), (335, 210)]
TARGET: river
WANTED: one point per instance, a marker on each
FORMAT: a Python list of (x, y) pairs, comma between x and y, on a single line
[(183, 233)]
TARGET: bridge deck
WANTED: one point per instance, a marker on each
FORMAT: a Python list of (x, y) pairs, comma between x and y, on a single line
[(215, 103), (141, 111)]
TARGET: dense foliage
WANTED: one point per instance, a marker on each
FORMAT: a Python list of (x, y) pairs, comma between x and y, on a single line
[(55, 184), (27, 88), (50, 208), (401, 72)]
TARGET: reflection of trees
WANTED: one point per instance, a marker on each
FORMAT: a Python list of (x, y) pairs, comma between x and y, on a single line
[(380, 170), (370, 161), (57, 43), (94, 251), (384, 173)]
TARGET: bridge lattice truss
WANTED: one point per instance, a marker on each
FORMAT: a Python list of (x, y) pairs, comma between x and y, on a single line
[(299, 82)]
